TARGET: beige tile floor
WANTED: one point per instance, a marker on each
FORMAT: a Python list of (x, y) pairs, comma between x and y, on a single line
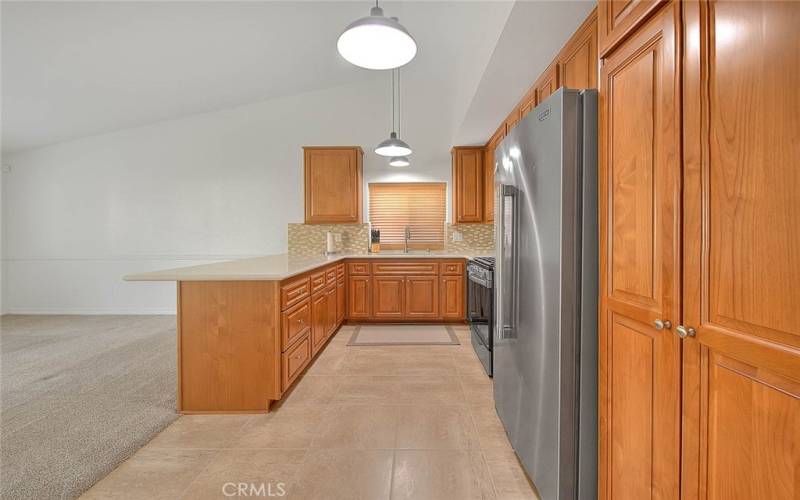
[(404, 422)]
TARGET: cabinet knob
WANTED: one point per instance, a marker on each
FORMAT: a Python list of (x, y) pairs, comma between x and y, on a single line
[(685, 331), (662, 324)]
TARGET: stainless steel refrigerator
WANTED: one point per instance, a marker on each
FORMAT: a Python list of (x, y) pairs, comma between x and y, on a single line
[(545, 343)]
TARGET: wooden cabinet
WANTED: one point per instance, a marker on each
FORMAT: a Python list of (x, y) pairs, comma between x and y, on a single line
[(617, 18), (452, 297), (331, 317), (387, 297), (640, 267), (468, 178), (294, 361), (296, 323), (319, 321), (741, 266), (489, 165), (341, 301), (333, 184), (421, 297), (512, 119), (547, 84), (359, 297), (577, 62)]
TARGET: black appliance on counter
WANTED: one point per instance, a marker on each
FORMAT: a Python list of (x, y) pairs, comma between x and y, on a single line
[(480, 308)]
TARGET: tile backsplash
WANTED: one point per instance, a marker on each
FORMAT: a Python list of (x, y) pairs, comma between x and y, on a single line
[(309, 239), (474, 238)]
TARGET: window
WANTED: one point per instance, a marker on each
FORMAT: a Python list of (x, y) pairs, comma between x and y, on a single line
[(419, 205)]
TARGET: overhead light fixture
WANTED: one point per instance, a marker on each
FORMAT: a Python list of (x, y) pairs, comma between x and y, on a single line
[(394, 146), (377, 42), (399, 161)]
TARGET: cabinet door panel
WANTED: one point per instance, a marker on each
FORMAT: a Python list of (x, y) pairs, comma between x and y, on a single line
[(452, 297), (319, 321), (359, 297), (577, 68), (468, 184), (618, 18), (422, 297), (741, 392), (639, 268), (332, 185), (547, 85), (331, 323), (387, 297), (341, 301)]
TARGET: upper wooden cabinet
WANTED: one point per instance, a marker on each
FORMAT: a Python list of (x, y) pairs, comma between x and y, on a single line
[(547, 84), (333, 184), (468, 179), (488, 169), (618, 18), (577, 62)]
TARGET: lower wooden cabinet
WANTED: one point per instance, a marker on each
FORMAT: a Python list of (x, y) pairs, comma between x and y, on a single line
[(452, 297), (319, 321), (421, 297), (294, 361), (359, 297), (330, 317), (387, 297), (341, 301)]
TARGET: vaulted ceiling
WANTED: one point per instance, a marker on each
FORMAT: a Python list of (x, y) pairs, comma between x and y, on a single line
[(75, 69)]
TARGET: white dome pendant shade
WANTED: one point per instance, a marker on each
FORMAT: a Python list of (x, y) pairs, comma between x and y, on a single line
[(394, 147), (377, 42), (399, 161)]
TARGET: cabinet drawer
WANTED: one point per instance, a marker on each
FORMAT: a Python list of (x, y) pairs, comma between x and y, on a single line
[(294, 292), (395, 268), (330, 276), (340, 271), (296, 322), (359, 268), (294, 360), (452, 268), (317, 281)]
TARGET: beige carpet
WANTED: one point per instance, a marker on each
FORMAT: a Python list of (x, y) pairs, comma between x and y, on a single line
[(80, 394), (403, 335)]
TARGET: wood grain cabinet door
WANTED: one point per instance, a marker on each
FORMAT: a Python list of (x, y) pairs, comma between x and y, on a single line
[(640, 268), (547, 84), (577, 66), (452, 297), (468, 184), (333, 185), (422, 297), (331, 317), (617, 18), (319, 321), (341, 301), (359, 297), (387, 296), (741, 396)]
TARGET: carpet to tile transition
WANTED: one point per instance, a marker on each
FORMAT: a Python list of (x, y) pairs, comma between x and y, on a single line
[(80, 394)]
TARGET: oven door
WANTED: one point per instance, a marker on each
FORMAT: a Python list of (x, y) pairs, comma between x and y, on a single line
[(479, 310)]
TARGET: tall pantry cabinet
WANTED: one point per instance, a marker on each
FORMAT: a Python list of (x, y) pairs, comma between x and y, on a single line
[(700, 249)]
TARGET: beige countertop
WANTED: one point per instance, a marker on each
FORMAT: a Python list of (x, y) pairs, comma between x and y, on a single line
[(275, 267)]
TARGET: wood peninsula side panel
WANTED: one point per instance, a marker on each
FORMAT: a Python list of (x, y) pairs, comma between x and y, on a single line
[(229, 341)]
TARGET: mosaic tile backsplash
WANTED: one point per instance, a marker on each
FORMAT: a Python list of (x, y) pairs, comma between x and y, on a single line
[(309, 239), (475, 238)]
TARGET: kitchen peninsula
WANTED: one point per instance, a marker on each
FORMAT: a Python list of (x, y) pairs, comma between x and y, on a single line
[(248, 328)]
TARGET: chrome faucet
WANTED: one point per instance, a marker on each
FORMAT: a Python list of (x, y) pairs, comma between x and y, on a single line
[(407, 237)]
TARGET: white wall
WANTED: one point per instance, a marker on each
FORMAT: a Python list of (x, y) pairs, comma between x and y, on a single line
[(77, 216)]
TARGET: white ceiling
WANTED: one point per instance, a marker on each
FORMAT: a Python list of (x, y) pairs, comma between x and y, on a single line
[(72, 69)]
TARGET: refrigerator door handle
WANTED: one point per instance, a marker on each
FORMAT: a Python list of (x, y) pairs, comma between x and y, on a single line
[(508, 254)]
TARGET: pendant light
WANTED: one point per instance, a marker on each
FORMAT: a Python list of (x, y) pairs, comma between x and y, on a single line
[(399, 161), (394, 146), (377, 42)]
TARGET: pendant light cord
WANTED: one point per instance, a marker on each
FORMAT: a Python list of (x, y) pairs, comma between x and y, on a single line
[(393, 92)]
